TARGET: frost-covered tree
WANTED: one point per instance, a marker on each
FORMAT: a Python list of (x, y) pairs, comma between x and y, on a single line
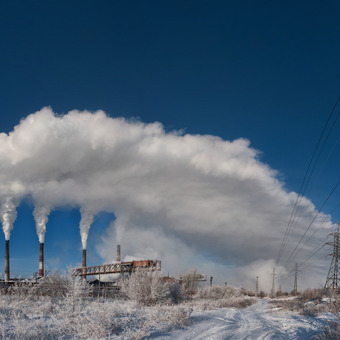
[(149, 288), (77, 290)]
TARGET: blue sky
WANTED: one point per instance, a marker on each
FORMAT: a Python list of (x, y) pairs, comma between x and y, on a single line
[(265, 71)]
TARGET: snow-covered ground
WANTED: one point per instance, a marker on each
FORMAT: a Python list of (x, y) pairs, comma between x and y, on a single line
[(254, 322), (66, 308)]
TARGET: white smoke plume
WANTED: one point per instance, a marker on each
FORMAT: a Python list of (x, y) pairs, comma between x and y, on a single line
[(85, 224), (120, 224), (40, 214), (184, 199), (8, 215)]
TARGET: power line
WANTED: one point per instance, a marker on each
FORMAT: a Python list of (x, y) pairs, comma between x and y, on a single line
[(301, 190), (322, 257), (323, 244), (316, 251), (304, 234)]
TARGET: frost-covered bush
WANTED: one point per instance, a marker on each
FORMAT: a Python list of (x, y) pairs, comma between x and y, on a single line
[(71, 312), (330, 331), (54, 285), (161, 318), (310, 303), (222, 297), (293, 305), (218, 292), (262, 294), (313, 294), (76, 291), (281, 293), (146, 289)]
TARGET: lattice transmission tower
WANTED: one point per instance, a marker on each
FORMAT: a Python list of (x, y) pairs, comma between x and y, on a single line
[(333, 279)]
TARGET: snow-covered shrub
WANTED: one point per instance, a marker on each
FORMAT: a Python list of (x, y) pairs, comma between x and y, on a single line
[(76, 291), (330, 331), (262, 294), (148, 289), (176, 293), (249, 292), (293, 305), (95, 320), (313, 294), (281, 293), (141, 323), (313, 308), (222, 297), (53, 285), (218, 292)]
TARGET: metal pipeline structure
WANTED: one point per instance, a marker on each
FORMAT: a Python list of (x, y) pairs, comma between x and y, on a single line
[(121, 267), (124, 268)]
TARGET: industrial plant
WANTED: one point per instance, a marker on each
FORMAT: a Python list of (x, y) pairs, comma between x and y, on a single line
[(125, 269)]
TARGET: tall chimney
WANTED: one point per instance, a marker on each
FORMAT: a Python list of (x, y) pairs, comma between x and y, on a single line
[(41, 260), (118, 253), (84, 263), (7, 261), (84, 258)]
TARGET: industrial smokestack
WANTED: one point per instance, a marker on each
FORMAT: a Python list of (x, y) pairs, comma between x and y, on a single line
[(84, 263), (7, 261), (84, 258), (118, 253), (41, 260)]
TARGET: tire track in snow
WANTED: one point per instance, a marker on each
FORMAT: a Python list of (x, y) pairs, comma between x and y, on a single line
[(254, 322)]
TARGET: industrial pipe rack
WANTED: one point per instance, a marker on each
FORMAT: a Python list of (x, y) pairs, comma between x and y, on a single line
[(119, 267)]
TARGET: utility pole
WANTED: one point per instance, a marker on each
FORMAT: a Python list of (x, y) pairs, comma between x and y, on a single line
[(295, 278), (257, 286), (332, 281), (273, 284)]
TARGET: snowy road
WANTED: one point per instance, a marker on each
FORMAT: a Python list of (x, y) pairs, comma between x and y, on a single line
[(254, 322)]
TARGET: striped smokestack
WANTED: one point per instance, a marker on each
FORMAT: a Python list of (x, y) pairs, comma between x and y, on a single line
[(41, 260), (84, 263), (7, 261), (84, 258), (118, 253)]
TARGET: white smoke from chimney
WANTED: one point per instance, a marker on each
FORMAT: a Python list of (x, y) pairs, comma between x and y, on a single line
[(8, 215), (85, 224), (120, 225), (40, 214)]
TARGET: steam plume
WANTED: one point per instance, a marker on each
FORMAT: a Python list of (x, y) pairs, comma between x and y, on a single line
[(85, 224), (179, 195), (40, 214), (8, 215)]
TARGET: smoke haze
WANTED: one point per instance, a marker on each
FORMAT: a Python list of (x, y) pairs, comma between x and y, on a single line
[(184, 199)]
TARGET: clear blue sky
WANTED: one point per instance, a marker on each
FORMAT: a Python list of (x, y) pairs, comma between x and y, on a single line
[(267, 71)]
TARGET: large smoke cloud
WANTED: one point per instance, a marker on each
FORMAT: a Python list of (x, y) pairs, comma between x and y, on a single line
[(185, 199)]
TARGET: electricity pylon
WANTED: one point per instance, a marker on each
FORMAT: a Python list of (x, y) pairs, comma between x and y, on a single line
[(295, 278), (332, 281), (273, 283)]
